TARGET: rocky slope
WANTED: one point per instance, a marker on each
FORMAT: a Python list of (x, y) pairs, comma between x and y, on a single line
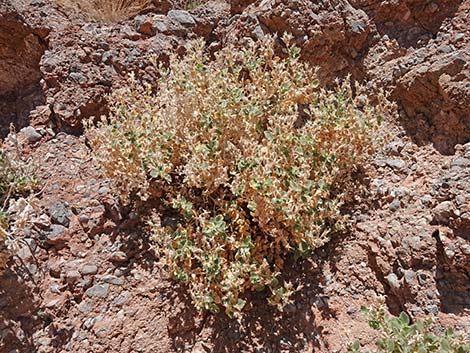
[(84, 277)]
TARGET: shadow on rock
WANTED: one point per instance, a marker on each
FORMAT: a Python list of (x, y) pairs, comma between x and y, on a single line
[(263, 328), (17, 313), (412, 22), (452, 278)]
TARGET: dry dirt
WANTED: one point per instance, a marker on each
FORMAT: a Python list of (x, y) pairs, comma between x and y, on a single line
[(89, 281)]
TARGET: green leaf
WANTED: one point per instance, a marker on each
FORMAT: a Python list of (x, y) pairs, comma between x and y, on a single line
[(269, 136), (419, 325), (180, 275), (216, 226), (445, 345), (274, 283), (252, 206), (206, 121), (390, 345), (285, 88), (240, 304), (404, 319), (254, 278), (295, 52), (201, 68)]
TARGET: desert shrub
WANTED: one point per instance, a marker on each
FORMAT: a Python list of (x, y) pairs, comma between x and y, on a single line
[(398, 335), (109, 11), (15, 179), (249, 151)]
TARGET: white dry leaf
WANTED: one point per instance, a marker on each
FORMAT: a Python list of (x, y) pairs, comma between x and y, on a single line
[(26, 213)]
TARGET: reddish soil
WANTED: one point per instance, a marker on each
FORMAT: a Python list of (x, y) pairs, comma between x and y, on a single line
[(89, 280)]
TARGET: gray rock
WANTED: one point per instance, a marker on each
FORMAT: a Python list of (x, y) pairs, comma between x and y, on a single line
[(466, 149), (83, 218), (118, 256), (443, 211), (258, 32), (113, 280), (432, 309), (460, 162), (395, 147), (85, 283), (44, 341), (73, 264), (78, 77), (121, 271), (54, 288), (120, 315), (122, 298), (423, 278), (400, 192), (144, 25), (394, 205), (32, 268), (72, 276), (458, 36), (80, 188), (129, 33), (395, 163), (393, 282), (426, 200), (160, 26), (409, 276), (53, 303), (60, 213), (88, 323), (357, 26), (85, 306), (31, 134), (56, 234), (182, 17), (26, 252), (103, 190), (98, 290), (108, 57), (89, 270), (461, 200)]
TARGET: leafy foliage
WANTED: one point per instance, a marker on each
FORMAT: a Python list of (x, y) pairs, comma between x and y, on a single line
[(248, 150), (398, 335)]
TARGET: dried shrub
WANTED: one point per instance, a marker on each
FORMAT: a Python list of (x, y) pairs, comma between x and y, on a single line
[(109, 11), (15, 179), (247, 150)]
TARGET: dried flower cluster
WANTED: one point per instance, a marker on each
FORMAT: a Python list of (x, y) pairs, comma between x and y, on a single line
[(246, 149)]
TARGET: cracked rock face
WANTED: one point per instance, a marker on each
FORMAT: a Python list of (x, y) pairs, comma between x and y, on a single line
[(417, 50), (20, 52)]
